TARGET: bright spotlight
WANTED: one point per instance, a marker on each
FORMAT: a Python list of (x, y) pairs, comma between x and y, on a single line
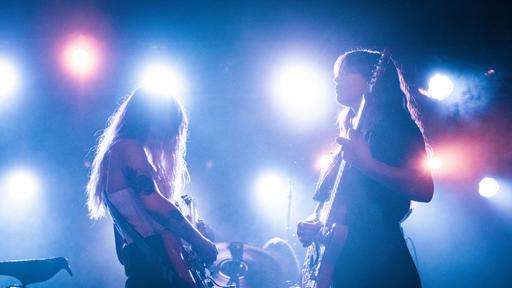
[(323, 162), (488, 187), (9, 79), (302, 93), (272, 191), (440, 86), (434, 163), (81, 56), (20, 186), (162, 79)]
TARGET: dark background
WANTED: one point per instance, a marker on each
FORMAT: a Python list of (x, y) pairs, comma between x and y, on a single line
[(227, 51)]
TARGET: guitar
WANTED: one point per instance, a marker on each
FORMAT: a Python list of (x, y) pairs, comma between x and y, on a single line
[(185, 263), (321, 256)]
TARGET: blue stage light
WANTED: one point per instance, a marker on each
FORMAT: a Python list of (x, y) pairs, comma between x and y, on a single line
[(20, 186), (9, 79), (440, 86), (162, 79), (488, 187), (302, 93), (272, 191), (323, 161)]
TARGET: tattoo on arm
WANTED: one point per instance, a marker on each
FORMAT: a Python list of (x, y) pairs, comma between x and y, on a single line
[(140, 183), (174, 220)]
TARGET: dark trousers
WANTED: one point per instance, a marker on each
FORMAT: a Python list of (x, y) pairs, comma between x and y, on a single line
[(373, 258)]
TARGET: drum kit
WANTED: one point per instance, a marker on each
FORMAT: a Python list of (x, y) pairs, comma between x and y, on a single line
[(241, 265)]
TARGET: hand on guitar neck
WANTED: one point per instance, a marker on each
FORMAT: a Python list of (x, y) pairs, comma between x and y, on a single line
[(356, 151), (308, 231), (205, 230), (180, 226)]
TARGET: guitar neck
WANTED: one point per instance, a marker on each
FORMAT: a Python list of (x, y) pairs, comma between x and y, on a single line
[(326, 211)]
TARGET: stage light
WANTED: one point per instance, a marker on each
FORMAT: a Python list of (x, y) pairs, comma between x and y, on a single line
[(323, 162), (302, 93), (9, 79), (272, 191), (434, 163), (488, 187), (20, 185), (440, 86), (81, 56), (162, 79)]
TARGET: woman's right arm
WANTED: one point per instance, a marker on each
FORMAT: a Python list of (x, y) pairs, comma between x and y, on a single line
[(138, 174)]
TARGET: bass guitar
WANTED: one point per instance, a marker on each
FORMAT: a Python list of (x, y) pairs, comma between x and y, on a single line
[(321, 256)]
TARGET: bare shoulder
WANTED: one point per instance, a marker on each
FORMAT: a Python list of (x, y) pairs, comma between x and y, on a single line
[(130, 152)]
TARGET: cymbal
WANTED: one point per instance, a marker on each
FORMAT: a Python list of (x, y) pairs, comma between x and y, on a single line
[(248, 265)]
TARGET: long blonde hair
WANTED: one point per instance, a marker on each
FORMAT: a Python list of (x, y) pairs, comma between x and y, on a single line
[(132, 120)]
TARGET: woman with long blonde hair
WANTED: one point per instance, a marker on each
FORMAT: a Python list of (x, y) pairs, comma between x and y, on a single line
[(139, 170)]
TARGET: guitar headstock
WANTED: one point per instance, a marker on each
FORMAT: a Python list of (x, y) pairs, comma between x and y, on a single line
[(379, 70)]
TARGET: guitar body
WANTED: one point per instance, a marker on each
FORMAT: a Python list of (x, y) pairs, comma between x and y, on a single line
[(319, 266), (184, 262), (176, 256), (321, 256)]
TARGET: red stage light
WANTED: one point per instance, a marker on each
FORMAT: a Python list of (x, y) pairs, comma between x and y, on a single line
[(81, 56), (456, 158)]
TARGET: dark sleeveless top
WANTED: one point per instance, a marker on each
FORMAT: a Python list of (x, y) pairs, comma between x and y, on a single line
[(369, 203)]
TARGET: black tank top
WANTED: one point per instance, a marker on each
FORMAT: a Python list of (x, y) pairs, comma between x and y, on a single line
[(369, 202)]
